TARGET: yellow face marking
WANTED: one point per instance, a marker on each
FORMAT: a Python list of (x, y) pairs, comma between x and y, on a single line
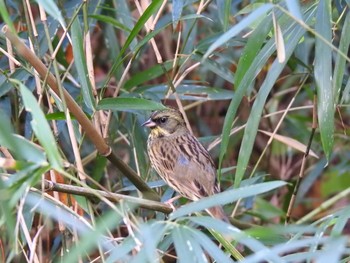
[(158, 131)]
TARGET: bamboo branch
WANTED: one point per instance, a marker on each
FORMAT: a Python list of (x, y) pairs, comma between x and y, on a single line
[(147, 204), (100, 144), (92, 193)]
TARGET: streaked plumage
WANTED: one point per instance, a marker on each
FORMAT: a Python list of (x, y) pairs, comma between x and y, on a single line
[(179, 158)]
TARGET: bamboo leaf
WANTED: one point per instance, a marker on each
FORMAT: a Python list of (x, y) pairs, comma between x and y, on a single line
[(40, 127), (340, 63), (52, 9), (226, 197), (294, 33), (80, 64), (323, 76), (128, 104), (246, 22)]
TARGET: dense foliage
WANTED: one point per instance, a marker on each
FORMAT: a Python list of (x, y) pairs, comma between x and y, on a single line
[(264, 85)]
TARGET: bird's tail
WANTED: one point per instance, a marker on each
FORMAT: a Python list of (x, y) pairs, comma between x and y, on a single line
[(218, 213)]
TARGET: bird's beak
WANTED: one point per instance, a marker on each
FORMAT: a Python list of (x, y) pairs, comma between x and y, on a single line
[(149, 123)]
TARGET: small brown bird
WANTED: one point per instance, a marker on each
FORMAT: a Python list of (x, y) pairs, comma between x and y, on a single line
[(180, 159)]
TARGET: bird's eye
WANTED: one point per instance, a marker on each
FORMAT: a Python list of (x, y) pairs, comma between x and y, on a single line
[(162, 119)]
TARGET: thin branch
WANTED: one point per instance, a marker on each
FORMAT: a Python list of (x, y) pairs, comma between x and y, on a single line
[(148, 204), (302, 168), (92, 193)]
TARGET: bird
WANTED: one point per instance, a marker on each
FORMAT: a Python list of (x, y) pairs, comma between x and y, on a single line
[(180, 159)]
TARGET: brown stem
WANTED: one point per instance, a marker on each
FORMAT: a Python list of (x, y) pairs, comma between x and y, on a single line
[(302, 168), (100, 144), (92, 193), (148, 204)]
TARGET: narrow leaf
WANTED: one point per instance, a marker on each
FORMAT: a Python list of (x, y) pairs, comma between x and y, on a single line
[(52, 9), (20, 148), (190, 92), (294, 33), (291, 143), (111, 21), (323, 76), (294, 9), (151, 9), (246, 22), (340, 63), (177, 11), (253, 59), (127, 104), (183, 246), (226, 198), (80, 64), (40, 127)]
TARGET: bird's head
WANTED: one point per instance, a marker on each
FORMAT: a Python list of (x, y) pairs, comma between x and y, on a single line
[(165, 122)]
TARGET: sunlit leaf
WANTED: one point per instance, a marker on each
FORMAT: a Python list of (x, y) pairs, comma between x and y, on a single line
[(128, 104)]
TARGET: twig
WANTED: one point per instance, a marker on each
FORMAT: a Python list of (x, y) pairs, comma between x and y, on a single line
[(302, 168), (324, 206), (90, 193), (148, 204)]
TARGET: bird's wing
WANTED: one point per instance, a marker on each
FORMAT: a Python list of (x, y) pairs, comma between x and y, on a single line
[(194, 168)]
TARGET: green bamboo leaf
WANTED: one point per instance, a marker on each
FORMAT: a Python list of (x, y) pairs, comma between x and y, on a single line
[(221, 12), (152, 235), (189, 92), (80, 64), (340, 62), (52, 9), (323, 76), (120, 253), (145, 39), (341, 222), (110, 20), (20, 148), (91, 236), (226, 197), (294, 8), (6, 85), (244, 78), (30, 151), (59, 115), (128, 104), (6, 17), (40, 127), (148, 74), (293, 34), (252, 48), (346, 93), (227, 13), (178, 6), (183, 244), (239, 236), (332, 251), (124, 14), (151, 9), (212, 249), (246, 22), (221, 70)]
